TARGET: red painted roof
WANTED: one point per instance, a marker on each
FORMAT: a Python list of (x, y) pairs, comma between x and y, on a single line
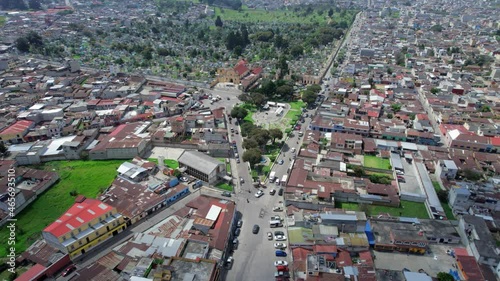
[(17, 128), (495, 141), (78, 215), (32, 273)]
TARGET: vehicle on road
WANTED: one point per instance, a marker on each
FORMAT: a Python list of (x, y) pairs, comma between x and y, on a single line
[(272, 191), (183, 179), (280, 192), (280, 238), (242, 180), (285, 274), (280, 245), (281, 162), (398, 172), (238, 160), (282, 268), (197, 184), (293, 150), (277, 209), (272, 176), (237, 231), (275, 223), (278, 232), (68, 270), (278, 263), (255, 229), (259, 193), (276, 217), (226, 194), (239, 223), (269, 236)]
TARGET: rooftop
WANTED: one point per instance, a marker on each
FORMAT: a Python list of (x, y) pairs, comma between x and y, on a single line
[(199, 161)]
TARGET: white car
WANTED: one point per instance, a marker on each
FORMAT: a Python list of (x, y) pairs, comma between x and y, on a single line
[(277, 209), (280, 238), (259, 193), (278, 263), (280, 245), (269, 236)]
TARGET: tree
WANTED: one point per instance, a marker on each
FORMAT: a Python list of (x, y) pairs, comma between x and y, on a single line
[(239, 112), (330, 12), (22, 44), (437, 28), (314, 88), (396, 107), (443, 276), (371, 82), (261, 136), (471, 175), (435, 90), (247, 129), (285, 91), (359, 171), (268, 88), (250, 143), (309, 96), (275, 134), (389, 71), (252, 156), (296, 51), (3, 149), (485, 108), (390, 116), (218, 22), (258, 99), (35, 5), (442, 195)]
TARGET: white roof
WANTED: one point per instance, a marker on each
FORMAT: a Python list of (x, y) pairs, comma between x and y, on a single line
[(454, 133), (55, 148), (214, 212)]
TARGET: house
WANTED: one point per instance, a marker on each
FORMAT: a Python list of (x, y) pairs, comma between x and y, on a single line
[(346, 143), (479, 241), (15, 133), (202, 166), (85, 225), (446, 169), (458, 198)]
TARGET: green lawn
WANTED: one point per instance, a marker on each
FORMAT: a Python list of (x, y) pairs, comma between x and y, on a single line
[(88, 178), (3, 19), (171, 163), (407, 209), (228, 164), (376, 162), (448, 211), (224, 186), (251, 109)]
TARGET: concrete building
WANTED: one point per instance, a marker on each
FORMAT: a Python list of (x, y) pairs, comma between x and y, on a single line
[(202, 166), (16, 132), (479, 241), (458, 198), (446, 169), (85, 225)]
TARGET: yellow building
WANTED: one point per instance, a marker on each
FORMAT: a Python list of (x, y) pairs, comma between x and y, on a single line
[(86, 224)]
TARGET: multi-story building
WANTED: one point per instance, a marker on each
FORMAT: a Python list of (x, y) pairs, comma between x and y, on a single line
[(86, 224), (446, 169), (202, 166)]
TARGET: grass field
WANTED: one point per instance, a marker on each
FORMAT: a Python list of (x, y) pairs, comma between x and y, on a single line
[(407, 209), (171, 163), (2, 20), (228, 164), (295, 111), (88, 178), (224, 186), (281, 16), (376, 162)]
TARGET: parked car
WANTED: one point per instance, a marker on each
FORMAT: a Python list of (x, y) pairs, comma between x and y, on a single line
[(293, 150), (275, 218), (239, 223), (281, 162), (277, 232), (282, 268), (226, 194), (280, 245), (398, 172), (238, 161), (237, 231), (280, 192), (277, 209), (255, 229), (183, 179), (272, 191), (280, 238), (259, 193), (278, 263), (280, 253), (68, 270), (242, 180)]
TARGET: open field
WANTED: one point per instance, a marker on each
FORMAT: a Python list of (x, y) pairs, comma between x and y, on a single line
[(376, 162), (407, 209), (87, 178)]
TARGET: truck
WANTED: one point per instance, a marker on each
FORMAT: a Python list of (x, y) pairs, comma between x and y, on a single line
[(275, 223), (284, 179), (272, 176)]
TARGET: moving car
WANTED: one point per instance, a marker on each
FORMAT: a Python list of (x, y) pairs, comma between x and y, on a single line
[(269, 236), (272, 191), (278, 263), (280, 245), (255, 229), (68, 270), (259, 193), (226, 194), (293, 149), (281, 162), (280, 192)]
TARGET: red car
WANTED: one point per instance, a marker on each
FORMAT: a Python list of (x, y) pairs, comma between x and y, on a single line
[(298, 127), (68, 270), (282, 268)]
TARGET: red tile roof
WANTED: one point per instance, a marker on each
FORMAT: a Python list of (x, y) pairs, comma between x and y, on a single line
[(32, 273), (17, 128), (79, 214)]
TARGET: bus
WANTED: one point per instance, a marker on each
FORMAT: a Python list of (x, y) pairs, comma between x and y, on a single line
[(275, 223), (272, 176)]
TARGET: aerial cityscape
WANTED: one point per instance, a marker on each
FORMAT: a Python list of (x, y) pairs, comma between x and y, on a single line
[(250, 140)]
